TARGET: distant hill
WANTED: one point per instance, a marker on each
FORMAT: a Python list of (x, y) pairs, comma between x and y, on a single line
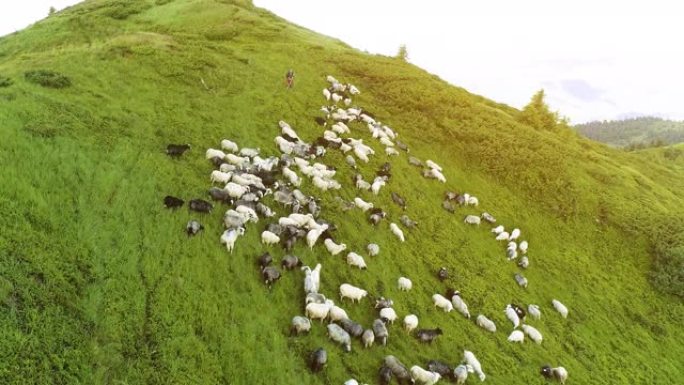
[(637, 132)]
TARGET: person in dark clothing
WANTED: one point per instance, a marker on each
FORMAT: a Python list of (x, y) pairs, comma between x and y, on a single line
[(289, 78)]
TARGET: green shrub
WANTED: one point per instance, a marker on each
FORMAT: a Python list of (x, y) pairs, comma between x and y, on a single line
[(668, 271), (122, 9), (47, 78), (5, 82)]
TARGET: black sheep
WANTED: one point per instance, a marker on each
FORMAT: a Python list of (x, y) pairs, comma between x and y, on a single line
[(200, 205), (193, 227), (176, 150), (172, 202), (264, 260), (318, 359), (428, 335)]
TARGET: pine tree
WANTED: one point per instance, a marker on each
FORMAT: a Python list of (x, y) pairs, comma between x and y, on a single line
[(51, 11), (402, 53), (538, 115)]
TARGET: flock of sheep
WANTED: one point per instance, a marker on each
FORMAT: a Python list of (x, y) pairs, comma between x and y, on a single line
[(246, 178)]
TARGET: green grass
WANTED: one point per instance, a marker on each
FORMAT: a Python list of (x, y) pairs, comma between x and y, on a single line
[(100, 285)]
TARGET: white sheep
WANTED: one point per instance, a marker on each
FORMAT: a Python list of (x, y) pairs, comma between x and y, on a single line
[(460, 305), (318, 310), (461, 373), (503, 236), (326, 94), (220, 177), (389, 314), (485, 323), (301, 219), (558, 373), (362, 184), (336, 313), (512, 316), (225, 167), (422, 376), (300, 325), (287, 130), (524, 262), (410, 322), (363, 205), (269, 238), (442, 303), (516, 336), (313, 234), (320, 183), (285, 146), (285, 221), (470, 359), (533, 333), (236, 160), (498, 230), (354, 259), (434, 174), (433, 165), (350, 161), (340, 128), (377, 184), (397, 231), (235, 190), (472, 220), (229, 145), (523, 247), (291, 176), (354, 293), (248, 212), (373, 249), (391, 151), (230, 236), (514, 234), (213, 153), (473, 201), (560, 308), (334, 248), (534, 311), (330, 79), (404, 284), (249, 152), (353, 90)]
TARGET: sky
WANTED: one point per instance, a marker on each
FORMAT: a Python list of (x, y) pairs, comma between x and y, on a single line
[(596, 60)]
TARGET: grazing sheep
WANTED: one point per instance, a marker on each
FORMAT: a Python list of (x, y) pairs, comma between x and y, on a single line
[(176, 150), (300, 325), (318, 359), (402, 145), (472, 201), (470, 359), (351, 382), (336, 313), (442, 303), (558, 373), (428, 335), (362, 184), (498, 230), (398, 370), (368, 337), (516, 336), (433, 165), (291, 176), (524, 262), (485, 323), (383, 302), (439, 367), (511, 254), (410, 322), (461, 373), (351, 327), (503, 236), (522, 281), (289, 262), (534, 311), (391, 151), (172, 202), (519, 311), (560, 308), (219, 194), (334, 248), (265, 210), (523, 247), (285, 146), (326, 94), (512, 315), (268, 238), (230, 236), (354, 259), (313, 235), (406, 221), (443, 273), (514, 235), (389, 314), (377, 185), (385, 374), (399, 200), (270, 275), (236, 190), (236, 160), (193, 227), (212, 153), (488, 217), (200, 205), (264, 260), (422, 376), (229, 145), (350, 161), (380, 330), (373, 249), (448, 206), (404, 284), (472, 220), (415, 161), (318, 310), (533, 333), (352, 292), (397, 231), (460, 305), (314, 298), (363, 205), (434, 174)]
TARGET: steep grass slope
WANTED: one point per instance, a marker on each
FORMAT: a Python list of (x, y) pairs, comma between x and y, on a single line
[(99, 284)]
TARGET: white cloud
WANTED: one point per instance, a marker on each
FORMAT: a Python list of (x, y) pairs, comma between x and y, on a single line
[(19, 14)]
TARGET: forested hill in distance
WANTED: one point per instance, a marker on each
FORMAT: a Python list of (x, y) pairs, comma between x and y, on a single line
[(634, 133), (100, 284)]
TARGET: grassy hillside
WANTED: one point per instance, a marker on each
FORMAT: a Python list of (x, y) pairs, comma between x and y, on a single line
[(100, 285), (634, 133)]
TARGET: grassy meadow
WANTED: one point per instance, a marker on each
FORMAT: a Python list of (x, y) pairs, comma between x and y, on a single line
[(100, 285)]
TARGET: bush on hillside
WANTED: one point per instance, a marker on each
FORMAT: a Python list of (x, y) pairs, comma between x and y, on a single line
[(50, 79), (122, 9), (667, 274), (5, 81)]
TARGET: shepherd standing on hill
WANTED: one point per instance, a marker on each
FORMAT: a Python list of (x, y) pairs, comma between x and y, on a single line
[(289, 78)]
